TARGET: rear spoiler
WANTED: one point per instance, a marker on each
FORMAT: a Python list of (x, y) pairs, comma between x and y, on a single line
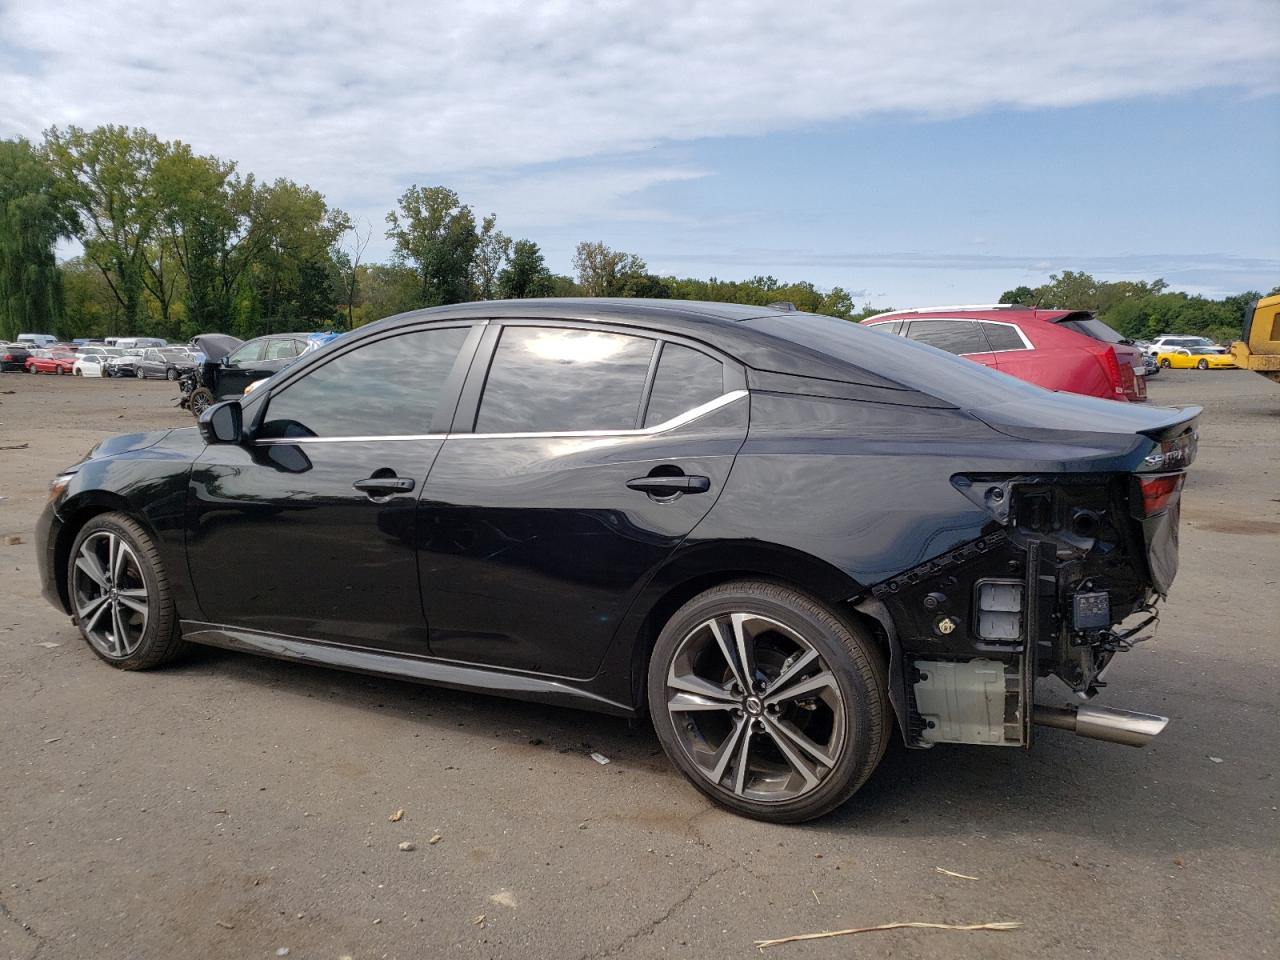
[(1182, 420)]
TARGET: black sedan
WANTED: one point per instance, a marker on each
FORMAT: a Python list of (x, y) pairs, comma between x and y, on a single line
[(13, 357), (778, 535), (165, 363)]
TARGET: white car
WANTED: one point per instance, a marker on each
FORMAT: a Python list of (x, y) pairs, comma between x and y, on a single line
[(1169, 342)]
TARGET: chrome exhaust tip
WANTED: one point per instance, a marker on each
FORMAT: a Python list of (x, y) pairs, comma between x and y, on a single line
[(1102, 723)]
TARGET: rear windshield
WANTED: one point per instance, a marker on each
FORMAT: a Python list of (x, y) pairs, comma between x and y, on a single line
[(910, 363), (1093, 328)]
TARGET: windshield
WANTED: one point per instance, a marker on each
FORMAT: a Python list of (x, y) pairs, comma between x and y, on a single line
[(911, 363)]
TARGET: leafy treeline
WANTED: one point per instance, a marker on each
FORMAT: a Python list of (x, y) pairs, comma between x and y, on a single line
[(1139, 309), (175, 243)]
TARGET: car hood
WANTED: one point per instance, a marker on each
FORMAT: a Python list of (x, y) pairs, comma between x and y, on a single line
[(215, 346), (127, 443)]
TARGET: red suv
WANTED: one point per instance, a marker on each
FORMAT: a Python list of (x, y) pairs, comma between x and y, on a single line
[(1069, 350)]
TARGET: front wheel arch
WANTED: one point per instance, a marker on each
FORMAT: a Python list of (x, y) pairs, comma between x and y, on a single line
[(75, 515)]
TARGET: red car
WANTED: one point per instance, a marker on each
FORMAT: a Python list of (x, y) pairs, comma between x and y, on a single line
[(1068, 350), (46, 361)]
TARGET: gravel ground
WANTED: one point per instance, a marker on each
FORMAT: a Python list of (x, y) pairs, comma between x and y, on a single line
[(233, 807)]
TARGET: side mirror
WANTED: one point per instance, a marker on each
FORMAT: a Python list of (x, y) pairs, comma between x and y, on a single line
[(222, 423)]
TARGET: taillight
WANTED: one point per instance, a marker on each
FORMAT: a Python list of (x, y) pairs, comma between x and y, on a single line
[(1111, 363), (1159, 492)]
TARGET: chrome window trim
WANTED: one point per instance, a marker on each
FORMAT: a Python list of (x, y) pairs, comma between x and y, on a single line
[(689, 416)]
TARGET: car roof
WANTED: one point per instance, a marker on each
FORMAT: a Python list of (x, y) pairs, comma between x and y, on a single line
[(985, 312)]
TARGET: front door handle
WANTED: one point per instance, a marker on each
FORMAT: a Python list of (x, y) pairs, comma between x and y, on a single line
[(384, 485), (670, 486)]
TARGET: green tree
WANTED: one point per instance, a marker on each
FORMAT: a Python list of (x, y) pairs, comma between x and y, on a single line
[(389, 289), (107, 176), (34, 215), (526, 273), (1023, 295), (436, 233), (603, 272), (493, 248), (291, 278)]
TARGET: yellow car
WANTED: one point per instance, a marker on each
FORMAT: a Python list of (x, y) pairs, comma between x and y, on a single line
[(1183, 359)]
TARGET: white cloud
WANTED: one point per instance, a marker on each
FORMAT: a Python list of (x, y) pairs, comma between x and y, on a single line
[(361, 99)]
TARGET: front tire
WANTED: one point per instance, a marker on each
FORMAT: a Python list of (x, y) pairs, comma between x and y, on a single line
[(171, 374), (201, 400), (1202, 365), (120, 596), (1165, 364), (772, 705), (140, 374)]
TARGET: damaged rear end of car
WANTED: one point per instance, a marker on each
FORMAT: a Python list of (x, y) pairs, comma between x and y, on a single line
[(1067, 574)]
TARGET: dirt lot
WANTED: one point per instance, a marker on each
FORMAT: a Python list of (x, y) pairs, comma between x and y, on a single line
[(231, 806)]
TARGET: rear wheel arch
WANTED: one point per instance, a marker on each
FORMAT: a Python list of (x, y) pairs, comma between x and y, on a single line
[(705, 566)]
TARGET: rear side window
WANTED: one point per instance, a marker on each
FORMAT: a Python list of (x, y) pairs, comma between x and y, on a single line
[(386, 388), (1003, 336), (554, 380), (954, 336), (686, 379), (250, 352), (281, 350), (1093, 328)]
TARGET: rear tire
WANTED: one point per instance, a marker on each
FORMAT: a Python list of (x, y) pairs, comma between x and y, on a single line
[(120, 596), (811, 729)]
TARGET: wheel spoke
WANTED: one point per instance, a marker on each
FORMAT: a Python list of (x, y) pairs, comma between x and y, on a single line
[(89, 563), (728, 651), (701, 688), (814, 750), (745, 645), (120, 557), (117, 630), (91, 613), (135, 600), (793, 671), (727, 749), (819, 681), (797, 762), (741, 767), (689, 702)]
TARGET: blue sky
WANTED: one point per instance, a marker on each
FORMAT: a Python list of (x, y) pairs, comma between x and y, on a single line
[(910, 151)]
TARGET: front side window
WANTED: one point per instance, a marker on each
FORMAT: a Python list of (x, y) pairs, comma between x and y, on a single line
[(1003, 336), (389, 387), (686, 379), (554, 380), (954, 336)]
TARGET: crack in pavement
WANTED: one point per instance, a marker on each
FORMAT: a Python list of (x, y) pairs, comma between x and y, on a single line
[(22, 925), (651, 926)]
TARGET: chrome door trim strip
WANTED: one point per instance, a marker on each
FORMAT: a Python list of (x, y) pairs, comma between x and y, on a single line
[(689, 416)]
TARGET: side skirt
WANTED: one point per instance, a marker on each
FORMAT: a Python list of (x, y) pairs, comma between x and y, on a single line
[(442, 673)]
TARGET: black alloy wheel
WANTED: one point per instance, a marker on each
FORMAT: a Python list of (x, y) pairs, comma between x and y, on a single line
[(770, 703), (120, 596)]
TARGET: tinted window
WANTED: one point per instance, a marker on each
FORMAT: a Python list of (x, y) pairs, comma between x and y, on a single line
[(1094, 329), (953, 336), (898, 360), (546, 379), (249, 352), (1002, 336), (386, 388), (686, 379), (888, 326)]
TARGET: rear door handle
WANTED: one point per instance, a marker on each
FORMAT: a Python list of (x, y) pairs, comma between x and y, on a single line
[(384, 484), (669, 486)]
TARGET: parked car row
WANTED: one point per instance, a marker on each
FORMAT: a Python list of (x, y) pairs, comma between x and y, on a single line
[(93, 360)]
